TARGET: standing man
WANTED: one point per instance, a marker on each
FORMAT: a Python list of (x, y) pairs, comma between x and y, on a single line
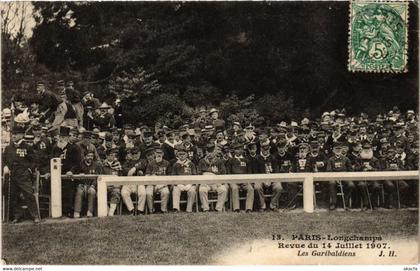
[(71, 155), (20, 163)]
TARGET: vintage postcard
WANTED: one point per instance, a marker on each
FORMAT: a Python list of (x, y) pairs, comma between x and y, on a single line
[(209, 133)]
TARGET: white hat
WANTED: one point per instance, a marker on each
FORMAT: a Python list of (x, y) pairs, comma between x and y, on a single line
[(305, 121), (325, 114), (104, 106), (294, 124), (22, 117), (7, 113), (408, 112), (213, 110), (102, 135)]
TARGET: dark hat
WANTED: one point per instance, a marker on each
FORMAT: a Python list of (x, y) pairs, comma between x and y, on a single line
[(303, 146), (158, 150), (367, 145), (87, 134), (160, 133), (338, 144), (250, 144), (131, 134), (391, 149), (111, 151), (180, 148), (314, 144), (265, 144), (89, 151), (36, 128), (237, 145), (144, 127), (210, 146), (29, 136), (320, 134), (134, 150), (60, 83), (219, 131), (170, 132), (108, 136), (281, 143), (128, 126), (64, 131)]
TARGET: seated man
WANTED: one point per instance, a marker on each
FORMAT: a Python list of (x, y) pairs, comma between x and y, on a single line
[(183, 166), (267, 163), (212, 165), (338, 163), (134, 166), (238, 164), (392, 163), (159, 167), (86, 189), (111, 166)]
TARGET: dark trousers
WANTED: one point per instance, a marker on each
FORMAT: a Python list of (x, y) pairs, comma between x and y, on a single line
[(22, 184)]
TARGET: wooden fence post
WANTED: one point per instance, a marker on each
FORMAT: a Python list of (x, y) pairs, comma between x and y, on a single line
[(308, 194), (56, 208), (102, 198)]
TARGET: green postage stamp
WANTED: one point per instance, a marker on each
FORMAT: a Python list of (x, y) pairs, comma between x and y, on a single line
[(378, 36)]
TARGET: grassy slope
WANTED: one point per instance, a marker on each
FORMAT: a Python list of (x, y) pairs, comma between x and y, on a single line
[(181, 238)]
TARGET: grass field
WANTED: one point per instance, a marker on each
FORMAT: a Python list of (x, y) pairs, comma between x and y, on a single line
[(182, 238)]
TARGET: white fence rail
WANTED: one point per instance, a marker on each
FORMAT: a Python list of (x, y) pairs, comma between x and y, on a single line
[(306, 178)]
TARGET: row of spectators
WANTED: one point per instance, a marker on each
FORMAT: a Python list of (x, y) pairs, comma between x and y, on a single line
[(91, 138)]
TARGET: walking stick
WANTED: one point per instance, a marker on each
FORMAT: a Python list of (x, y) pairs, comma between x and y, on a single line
[(342, 194), (294, 197), (8, 197), (36, 193), (368, 196), (398, 195)]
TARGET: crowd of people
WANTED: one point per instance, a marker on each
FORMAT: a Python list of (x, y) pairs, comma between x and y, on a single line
[(91, 137)]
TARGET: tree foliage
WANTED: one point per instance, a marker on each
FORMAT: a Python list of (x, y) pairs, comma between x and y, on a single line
[(285, 57)]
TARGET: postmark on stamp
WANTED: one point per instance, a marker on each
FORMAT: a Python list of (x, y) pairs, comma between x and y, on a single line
[(378, 36)]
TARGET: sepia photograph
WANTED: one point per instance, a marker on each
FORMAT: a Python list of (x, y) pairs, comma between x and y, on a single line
[(217, 133)]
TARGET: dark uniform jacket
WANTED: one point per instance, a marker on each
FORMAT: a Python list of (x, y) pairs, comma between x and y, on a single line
[(216, 166), (339, 164), (21, 160), (285, 162), (184, 168), (267, 164), (158, 168), (70, 155), (238, 165), (319, 162)]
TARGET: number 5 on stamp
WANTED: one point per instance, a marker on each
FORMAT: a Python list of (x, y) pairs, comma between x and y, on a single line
[(378, 36)]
